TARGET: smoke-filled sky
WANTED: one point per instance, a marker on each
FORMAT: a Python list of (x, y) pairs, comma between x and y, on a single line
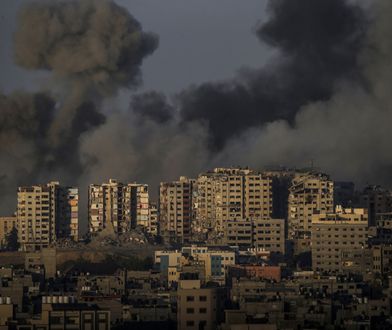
[(149, 90)]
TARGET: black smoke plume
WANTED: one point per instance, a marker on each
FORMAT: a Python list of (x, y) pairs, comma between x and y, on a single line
[(318, 42), (152, 105)]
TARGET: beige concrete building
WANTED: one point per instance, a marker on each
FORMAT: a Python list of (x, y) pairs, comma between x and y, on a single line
[(309, 193), (6, 226), (106, 207), (334, 234), (46, 212), (176, 210), (118, 206), (215, 261), (198, 307), (268, 234), (61, 312), (231, 194), (46, 258)]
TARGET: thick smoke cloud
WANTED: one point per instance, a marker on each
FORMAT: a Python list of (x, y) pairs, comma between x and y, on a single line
[(326, 98), (349, 134), (152, 105), (94, 47), (94, 42), (318, 41), (91, 48)]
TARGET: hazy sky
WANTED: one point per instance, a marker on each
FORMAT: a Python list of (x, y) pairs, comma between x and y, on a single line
[(200, 40)]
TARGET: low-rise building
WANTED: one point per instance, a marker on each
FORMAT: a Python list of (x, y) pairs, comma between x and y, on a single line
[(198, 306), (267, 234), (7, 224), (215, 261)]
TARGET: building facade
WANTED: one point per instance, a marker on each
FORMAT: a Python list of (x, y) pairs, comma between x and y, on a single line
[(45, 213), (68, 212), (309, 193), (199, 307), (231, 194), (117, 207), (268, 234), (215, 261), (336, 234), (377, 200), (176, 210)]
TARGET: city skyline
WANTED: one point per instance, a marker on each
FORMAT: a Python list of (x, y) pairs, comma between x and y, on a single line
[(307, 101), (195, 165)]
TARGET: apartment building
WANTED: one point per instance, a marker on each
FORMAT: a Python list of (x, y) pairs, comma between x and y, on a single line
[(7, 224), (118, 206), (68, 211), (381, 231), (106, 207), (137, 204), (198, 306), (267, 234), (46, 212), (309, 193), (334, 234), (176, 210), (377, 200), (231, 194)]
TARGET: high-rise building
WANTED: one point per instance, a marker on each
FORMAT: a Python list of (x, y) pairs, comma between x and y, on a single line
[(46, 212), (231, 194), (176, 210), (68, 211), (335, 234), (309, 193), (377, 200), (117, 206), (105, 207), (139, 204)]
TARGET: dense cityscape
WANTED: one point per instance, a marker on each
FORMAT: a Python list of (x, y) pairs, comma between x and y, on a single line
[(195, 165), (233, 248)]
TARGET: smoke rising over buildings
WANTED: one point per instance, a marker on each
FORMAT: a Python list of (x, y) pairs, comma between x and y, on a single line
[(92, 48), (324, 97)]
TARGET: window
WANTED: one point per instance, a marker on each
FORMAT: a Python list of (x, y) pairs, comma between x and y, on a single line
[(190, 310), (203, 310), (190, 323), (190, 298), (203, 298)]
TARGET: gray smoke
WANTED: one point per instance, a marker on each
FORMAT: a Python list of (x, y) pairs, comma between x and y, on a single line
[(152, 105), (97, 43), (92, 48), (318, 43), (325, 98), (347, 135)]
